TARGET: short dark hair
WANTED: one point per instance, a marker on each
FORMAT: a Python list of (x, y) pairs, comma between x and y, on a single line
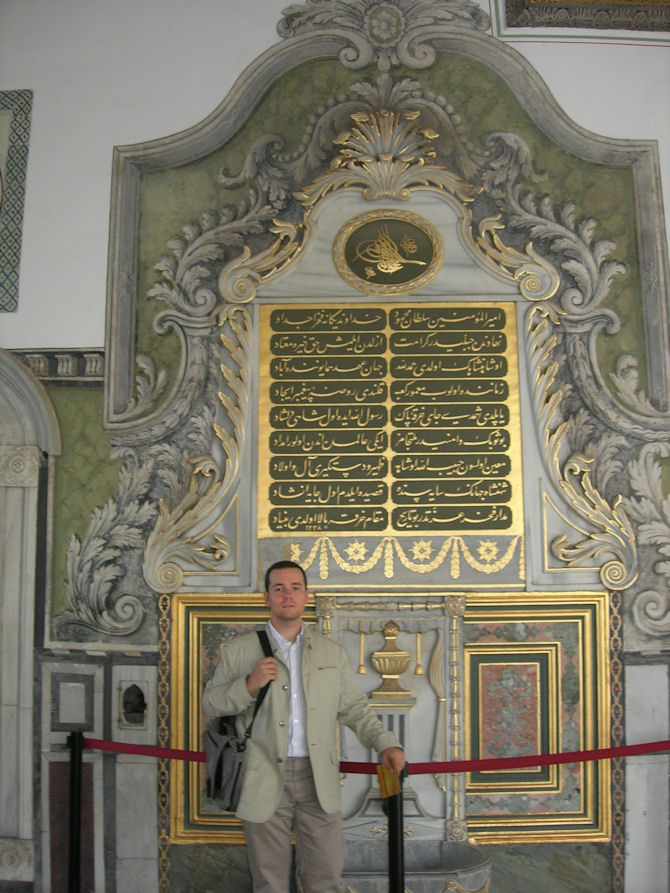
[(280, 566)]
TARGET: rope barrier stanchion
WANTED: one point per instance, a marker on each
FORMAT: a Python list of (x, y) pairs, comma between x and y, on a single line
[(75, 741), (391, 788)]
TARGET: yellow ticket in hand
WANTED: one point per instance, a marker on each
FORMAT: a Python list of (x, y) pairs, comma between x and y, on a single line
[(389, 783)]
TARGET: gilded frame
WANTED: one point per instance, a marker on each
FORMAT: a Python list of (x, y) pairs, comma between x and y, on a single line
[(559, 639), (562, 641)]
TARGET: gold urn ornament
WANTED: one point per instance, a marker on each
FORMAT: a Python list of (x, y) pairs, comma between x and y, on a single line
[(390, 663)]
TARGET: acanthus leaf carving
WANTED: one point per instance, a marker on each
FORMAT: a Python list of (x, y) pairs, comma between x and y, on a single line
[(171, 545), (97, 603), (148, 388), (386, 154), (613, 535), (186, 536), (626, 379), (570, 240), (651, 509), (239, 278), (608, 531), (538, 280)]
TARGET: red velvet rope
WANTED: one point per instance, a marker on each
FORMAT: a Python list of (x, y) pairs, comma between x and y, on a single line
[(550, 759)]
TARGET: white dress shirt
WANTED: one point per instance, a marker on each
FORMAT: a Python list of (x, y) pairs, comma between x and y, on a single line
[(292, 655)]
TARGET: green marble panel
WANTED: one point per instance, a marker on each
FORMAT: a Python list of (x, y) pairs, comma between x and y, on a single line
[(559, 868), (85, 474)]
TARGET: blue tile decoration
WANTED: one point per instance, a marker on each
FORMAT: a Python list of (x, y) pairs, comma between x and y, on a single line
[(16, 106)]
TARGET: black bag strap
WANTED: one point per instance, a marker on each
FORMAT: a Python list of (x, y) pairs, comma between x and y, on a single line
[(267, 651), (265, 643)]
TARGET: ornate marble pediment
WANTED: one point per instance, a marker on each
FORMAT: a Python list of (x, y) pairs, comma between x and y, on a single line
[(186, 424)]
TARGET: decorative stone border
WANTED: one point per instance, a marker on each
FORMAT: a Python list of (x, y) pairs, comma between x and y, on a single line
[(65, 367), (619, 16)]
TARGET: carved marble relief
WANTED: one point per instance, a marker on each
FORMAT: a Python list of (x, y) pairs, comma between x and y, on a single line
[(586, 427)]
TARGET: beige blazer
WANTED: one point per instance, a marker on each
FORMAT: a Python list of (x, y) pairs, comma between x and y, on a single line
[(331, 696)]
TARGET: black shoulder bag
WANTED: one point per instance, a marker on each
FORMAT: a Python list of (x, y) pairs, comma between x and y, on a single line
[(224, 750)]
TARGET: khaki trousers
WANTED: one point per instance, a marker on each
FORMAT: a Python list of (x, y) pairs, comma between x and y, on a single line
[(318, 839)]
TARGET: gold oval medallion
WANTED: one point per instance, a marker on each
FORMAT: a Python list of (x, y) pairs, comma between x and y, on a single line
[(388, 252)]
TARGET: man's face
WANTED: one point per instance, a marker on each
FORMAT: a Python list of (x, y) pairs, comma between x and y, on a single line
[(287, 594)]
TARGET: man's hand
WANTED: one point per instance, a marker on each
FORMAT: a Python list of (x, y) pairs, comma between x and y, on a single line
[(393, 759), (264, 671)]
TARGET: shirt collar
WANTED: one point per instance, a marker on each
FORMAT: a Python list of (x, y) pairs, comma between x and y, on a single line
[(283, 642)]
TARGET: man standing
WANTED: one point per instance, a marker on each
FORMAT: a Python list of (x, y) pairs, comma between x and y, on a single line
[(291, 781)]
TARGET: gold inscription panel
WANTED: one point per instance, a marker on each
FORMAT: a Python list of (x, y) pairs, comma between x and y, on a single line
[(390, 419)]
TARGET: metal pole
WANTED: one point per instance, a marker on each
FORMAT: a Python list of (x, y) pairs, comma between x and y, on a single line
[(75, 741), (396, 841)]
